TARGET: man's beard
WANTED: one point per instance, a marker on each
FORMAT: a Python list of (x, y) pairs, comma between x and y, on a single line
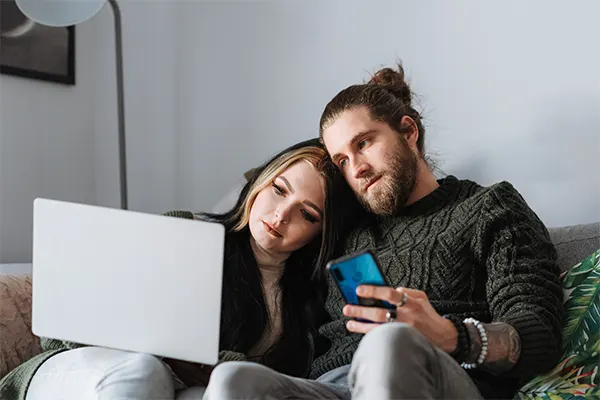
[(391, 192)]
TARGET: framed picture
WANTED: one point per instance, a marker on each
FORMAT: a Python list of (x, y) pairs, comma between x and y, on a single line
[(31, 50)]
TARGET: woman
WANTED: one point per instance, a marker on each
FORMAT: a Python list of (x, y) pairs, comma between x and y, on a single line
[(280, 234)]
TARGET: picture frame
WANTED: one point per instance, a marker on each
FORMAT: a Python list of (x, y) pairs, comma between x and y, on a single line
[(30, 50)]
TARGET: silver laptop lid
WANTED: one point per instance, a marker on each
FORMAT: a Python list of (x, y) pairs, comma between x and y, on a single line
[(127, 280)]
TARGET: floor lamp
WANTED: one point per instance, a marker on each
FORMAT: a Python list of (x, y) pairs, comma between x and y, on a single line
[(59, 13)]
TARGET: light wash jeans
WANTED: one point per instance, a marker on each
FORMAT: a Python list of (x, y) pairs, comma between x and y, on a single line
[(393, 361), (107, 374)]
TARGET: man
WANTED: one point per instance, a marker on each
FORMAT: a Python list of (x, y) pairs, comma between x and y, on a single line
[(473, 273)]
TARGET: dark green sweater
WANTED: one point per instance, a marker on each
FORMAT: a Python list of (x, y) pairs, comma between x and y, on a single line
[(477, 252)]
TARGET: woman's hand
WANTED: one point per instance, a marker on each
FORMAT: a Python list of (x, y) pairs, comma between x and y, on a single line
[(416, 311), (190, 373)]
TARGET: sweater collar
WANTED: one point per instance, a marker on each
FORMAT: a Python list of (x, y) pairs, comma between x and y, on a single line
[(447, 186), (271, 264)]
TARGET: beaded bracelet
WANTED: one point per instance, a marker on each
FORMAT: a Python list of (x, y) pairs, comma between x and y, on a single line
[(484, 344), (461, 351)]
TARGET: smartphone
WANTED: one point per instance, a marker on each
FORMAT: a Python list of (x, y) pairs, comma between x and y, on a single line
[(361, 268)]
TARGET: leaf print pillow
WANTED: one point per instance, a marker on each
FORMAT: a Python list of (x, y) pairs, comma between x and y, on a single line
[(577, 374)]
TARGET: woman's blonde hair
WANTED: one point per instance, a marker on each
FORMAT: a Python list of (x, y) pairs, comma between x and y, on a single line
[(303, 284), (316, 156)]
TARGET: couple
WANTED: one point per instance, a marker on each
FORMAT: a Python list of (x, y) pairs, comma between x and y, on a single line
[(473, 274)]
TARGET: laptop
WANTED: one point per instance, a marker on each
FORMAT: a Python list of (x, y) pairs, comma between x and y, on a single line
[(127, 280)]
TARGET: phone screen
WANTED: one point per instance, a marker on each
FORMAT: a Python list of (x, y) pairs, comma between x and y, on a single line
[(361, 269)]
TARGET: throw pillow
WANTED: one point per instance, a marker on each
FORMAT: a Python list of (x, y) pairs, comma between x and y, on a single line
[(577, 374), (17, 343)]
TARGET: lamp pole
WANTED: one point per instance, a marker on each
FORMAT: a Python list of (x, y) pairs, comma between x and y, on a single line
[(120, 104), (58, 13)]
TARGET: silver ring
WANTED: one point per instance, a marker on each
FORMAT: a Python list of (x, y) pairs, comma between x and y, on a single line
[(391, 315), (403, 301)]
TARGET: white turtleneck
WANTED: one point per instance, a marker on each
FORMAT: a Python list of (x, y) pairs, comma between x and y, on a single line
[(271, 267)]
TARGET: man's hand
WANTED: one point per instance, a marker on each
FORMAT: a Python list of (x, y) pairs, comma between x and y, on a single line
[(417, 311)]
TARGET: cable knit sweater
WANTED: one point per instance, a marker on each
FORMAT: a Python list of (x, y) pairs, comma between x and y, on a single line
[(477, 252)]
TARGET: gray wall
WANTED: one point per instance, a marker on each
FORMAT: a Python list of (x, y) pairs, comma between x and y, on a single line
[(150, 47), (510, 90), (46, 147), (61, 141)]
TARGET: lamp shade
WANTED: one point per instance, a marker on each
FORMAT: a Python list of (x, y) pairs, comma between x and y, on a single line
[(60, 12)]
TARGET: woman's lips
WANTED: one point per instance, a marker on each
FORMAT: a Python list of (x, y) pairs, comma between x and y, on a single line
[(271, 231)]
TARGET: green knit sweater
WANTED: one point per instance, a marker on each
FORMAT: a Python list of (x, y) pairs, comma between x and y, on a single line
[(477, 252), (14, 385)]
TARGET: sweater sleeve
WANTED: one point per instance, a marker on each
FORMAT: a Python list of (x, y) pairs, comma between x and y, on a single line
[(179, 214), (55, 344), (523, 287), (227, 355)]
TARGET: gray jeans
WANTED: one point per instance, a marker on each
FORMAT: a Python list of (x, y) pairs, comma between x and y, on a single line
[(107, 374), (393, 361)]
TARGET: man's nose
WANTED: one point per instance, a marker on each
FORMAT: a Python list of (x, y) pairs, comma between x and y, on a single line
[(361, 170)]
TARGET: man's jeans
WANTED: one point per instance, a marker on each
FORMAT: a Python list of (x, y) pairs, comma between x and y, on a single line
[(393, 361)]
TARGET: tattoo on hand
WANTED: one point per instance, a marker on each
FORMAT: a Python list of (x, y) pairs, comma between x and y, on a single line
[(504, 347)]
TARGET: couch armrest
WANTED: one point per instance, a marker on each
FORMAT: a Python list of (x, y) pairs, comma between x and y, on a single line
[(17, 342)]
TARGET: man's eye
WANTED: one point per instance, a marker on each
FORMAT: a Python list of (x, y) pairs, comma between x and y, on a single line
[(362, 143)]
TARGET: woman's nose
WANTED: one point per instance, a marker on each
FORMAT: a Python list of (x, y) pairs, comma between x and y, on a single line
[(282, 215)]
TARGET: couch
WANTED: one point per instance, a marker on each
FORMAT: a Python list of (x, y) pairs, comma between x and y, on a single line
[(17, 343)]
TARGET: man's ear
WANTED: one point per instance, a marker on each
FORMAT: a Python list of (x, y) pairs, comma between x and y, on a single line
[(409, 127)]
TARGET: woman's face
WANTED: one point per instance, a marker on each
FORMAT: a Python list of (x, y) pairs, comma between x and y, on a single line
[(288, 213)]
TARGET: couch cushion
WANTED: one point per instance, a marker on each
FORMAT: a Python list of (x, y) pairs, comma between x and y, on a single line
[(17, 342), (577, 372), (574, 243)]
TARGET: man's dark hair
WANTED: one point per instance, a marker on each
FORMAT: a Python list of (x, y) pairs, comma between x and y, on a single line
[(386, 95)]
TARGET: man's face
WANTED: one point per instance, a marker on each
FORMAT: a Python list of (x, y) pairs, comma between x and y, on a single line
[(376, 161)]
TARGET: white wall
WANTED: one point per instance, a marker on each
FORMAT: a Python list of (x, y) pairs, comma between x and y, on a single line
[(149, 60), (511, 91), (46, 147), (510, 88), (228, 119), (61, 141)]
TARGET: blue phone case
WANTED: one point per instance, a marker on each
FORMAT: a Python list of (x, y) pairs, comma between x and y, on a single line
[(349, 272)]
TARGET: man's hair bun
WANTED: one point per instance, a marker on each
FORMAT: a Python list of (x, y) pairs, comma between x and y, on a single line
[(394, 81)]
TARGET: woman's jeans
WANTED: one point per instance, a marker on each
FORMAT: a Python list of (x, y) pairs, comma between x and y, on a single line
[(106, 374)]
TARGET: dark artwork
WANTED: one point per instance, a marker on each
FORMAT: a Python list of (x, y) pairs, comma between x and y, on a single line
[(31, 50)]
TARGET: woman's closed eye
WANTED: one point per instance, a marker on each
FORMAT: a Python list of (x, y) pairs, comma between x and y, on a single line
[(280, 191), (277, 189), (308, 216)]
